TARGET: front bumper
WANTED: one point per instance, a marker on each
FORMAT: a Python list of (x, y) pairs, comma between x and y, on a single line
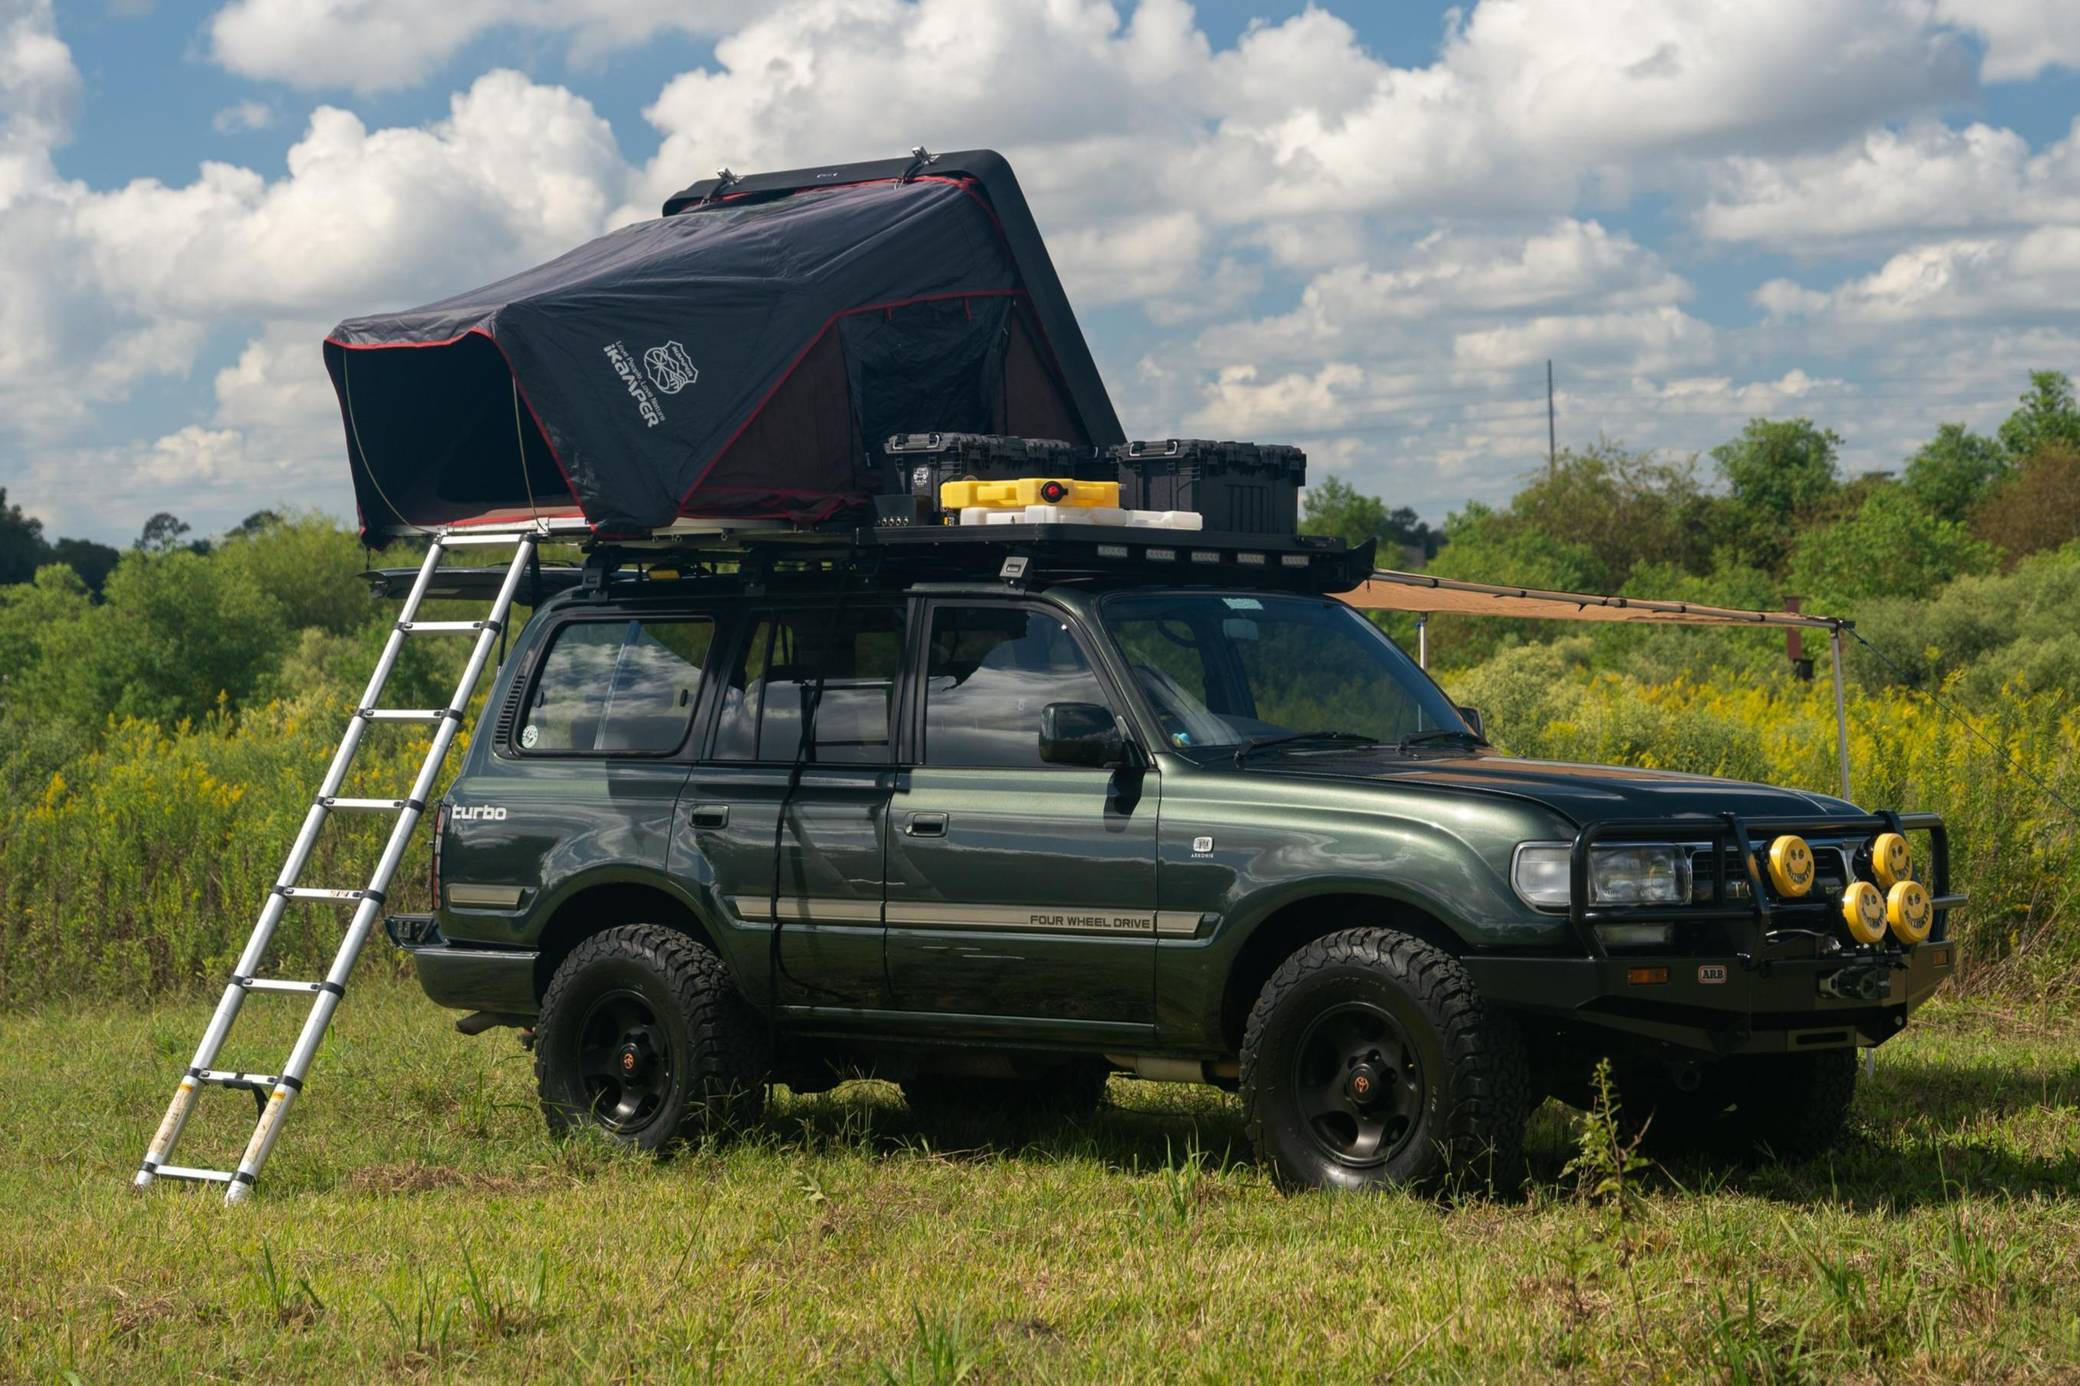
[(467, 977), (1724, 1005), (1763, 974)]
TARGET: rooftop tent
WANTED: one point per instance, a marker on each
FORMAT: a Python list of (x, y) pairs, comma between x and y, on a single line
[(741, 357)]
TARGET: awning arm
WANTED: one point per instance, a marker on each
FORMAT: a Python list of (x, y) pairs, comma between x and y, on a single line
[(1841, 708)]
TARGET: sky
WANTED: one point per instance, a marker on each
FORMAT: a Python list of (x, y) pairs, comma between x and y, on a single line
[(1362, 228)]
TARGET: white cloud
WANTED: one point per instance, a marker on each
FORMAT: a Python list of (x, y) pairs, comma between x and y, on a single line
[(516, 173), (99, 290), (242, 117), (1927, 177), (374, 45), (2023, 37), (1456, 276), (2033, 275)]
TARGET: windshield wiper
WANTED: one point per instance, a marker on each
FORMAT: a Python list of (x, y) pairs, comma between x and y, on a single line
[(1265, 743), (1424, 738)]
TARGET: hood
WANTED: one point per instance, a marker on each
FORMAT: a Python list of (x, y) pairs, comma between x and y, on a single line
[(1585, 793)]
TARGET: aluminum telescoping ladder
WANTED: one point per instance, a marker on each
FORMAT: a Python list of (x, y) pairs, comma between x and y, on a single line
[(281, 1089)]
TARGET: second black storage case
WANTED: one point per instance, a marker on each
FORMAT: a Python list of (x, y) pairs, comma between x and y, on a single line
[(1239, 488)]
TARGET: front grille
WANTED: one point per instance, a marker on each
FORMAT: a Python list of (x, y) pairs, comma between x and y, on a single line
[(1831, 874)]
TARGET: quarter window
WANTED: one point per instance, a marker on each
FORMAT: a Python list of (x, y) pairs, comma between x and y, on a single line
[(625, 687), (991, 670)]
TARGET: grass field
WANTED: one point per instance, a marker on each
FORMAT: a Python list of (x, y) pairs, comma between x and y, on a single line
[(417, 1223)]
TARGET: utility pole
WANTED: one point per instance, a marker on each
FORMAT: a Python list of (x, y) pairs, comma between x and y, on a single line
[(1552, 427)]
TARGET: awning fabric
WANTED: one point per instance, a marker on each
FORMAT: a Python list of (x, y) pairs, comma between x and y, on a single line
[(745, 356), (1419, 592)]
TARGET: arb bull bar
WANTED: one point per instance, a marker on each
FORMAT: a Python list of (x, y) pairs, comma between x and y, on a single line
[(1784, 979)]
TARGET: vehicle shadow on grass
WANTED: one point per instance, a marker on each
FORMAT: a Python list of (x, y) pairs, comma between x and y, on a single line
[(1924, 1133), (1139, 1133)]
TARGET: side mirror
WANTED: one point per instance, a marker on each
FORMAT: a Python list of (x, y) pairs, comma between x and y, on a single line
[(1080, 734), (1473, 719)]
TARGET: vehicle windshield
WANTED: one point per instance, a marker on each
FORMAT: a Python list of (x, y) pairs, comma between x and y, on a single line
[(1225, 669)]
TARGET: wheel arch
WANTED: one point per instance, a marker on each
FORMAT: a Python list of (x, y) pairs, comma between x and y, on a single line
[(1297, 923), (594, 906)]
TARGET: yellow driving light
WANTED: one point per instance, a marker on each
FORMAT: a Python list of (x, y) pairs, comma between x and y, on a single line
[(1889, 859), (1863, 910), (1909, 910), (1791, 865)]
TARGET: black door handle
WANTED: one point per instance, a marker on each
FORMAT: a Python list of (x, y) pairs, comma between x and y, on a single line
[(926, 825), (710, 815)]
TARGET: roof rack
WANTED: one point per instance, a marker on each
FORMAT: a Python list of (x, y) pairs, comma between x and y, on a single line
[(1022, 553), (1017, 554)]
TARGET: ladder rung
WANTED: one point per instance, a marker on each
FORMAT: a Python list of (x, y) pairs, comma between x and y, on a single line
[(321, 893), (369, 805), (404, 714), (233, 1079), (200, 1176), (444, 627), (279, 984)]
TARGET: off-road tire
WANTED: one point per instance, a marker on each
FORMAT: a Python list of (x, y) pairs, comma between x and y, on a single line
[(1465, 1131), (1793, 1107), (959, 1102), (710, 1037)]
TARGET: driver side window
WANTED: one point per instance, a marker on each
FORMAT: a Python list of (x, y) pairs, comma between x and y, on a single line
[(990, 671)]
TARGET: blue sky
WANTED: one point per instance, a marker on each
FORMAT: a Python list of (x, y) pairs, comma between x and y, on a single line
[(1359, 227)]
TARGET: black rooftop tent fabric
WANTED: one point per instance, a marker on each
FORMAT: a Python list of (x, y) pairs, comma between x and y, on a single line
[(743, 357)]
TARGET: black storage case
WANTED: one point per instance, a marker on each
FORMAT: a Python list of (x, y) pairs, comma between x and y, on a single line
[(1239, 488), (927, 459)]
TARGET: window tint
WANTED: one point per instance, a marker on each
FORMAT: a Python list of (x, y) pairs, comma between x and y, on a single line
[(857, 650), (991, 670), (617, 686)]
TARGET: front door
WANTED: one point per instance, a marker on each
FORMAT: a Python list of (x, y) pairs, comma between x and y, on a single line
[(828, 850), (1021, 895)]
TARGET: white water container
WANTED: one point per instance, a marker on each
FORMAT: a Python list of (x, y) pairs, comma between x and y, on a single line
[(1165, 519), (1074, 515)]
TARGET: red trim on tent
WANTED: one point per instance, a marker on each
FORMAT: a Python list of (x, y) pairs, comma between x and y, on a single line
[(809, 346)]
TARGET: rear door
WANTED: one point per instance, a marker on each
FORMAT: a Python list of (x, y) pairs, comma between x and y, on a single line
[(1021, 895), (825, 856)]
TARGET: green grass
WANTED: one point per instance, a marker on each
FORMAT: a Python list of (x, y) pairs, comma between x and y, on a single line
[(416, 1222)]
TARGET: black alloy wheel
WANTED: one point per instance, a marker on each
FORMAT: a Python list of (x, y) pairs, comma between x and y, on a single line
[(624, 1061), (1359, 1084)]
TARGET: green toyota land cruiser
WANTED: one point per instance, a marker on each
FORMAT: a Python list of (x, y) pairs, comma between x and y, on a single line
[(998, 819)]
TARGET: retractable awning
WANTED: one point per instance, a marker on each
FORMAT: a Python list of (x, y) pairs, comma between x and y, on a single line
[(1423, 596)]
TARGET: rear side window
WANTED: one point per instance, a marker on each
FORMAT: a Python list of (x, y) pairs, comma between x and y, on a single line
[(856, 653), (625, 687)]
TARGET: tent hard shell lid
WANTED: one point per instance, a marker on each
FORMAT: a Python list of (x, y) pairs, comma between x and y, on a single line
[(743, 357)]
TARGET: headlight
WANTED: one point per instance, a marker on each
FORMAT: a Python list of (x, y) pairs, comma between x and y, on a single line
[(1627, 874)]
